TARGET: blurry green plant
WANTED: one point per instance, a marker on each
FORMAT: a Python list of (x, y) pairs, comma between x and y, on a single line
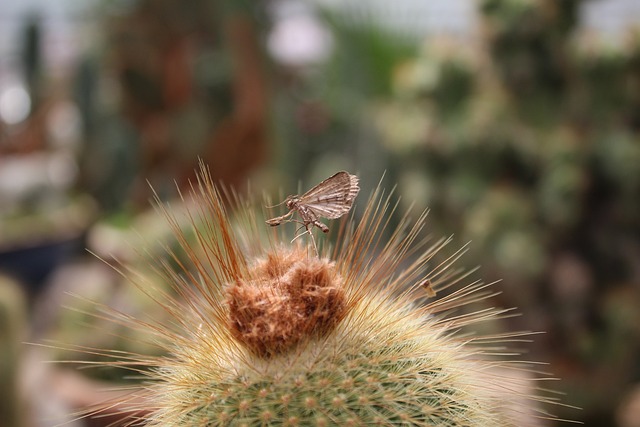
[(319, 118), (137, 242), (532, 143), (13, 327)]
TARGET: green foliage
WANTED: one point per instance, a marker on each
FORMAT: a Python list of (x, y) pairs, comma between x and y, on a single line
[(541, 158), (366, 54), (540, 113)]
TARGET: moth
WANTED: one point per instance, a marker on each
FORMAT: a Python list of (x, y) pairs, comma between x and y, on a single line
[(330, 199)]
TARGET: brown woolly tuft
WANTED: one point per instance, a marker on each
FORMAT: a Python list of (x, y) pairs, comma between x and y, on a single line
[(288, 297)]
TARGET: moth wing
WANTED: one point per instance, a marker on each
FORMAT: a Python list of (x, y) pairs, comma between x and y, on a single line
[(333, 197)]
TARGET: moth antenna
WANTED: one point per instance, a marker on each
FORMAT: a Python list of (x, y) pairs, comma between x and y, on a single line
[(273, 206), (281, 203)]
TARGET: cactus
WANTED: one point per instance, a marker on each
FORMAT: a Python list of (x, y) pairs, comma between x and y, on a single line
[(13, 319), (268, 333)]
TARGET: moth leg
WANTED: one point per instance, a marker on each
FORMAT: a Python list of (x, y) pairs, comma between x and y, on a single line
[(303, 224), (298, 229), (280, 219), (313, 240), (307, 231)]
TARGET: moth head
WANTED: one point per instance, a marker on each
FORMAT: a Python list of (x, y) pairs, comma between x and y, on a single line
[(292, 202)]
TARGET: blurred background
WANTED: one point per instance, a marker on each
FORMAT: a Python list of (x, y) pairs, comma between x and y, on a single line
[(516, 122)]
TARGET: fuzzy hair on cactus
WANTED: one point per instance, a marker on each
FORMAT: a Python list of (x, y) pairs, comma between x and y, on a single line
[(263, 332)]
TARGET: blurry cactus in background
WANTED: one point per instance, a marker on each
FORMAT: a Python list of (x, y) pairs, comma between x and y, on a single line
[(32, 58), (111, 241), (321, 115), (260, 331), (179, 80), (13, 327), (539, 161), (527, 43)]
